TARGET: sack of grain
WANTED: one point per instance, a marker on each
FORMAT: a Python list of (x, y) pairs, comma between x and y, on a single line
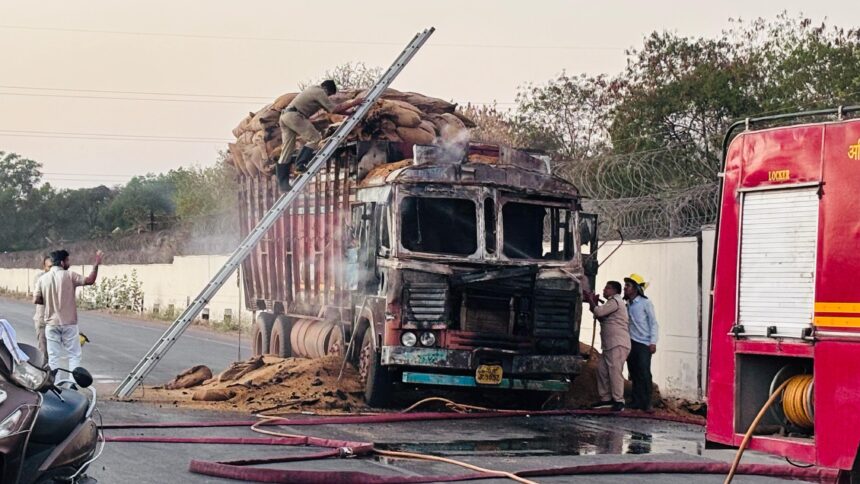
[(243, 125), (284, 100), (237, 158), (416, 136), (266, 117)]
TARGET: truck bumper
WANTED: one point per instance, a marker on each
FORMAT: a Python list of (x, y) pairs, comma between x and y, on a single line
[(469, 381), (527, 372)]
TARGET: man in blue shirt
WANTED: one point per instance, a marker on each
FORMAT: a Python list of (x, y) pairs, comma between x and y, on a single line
[(643, 340)]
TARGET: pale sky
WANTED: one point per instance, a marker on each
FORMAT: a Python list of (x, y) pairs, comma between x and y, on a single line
[(59, 57)]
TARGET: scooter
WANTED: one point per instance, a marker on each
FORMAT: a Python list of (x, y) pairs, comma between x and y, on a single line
[(47, 431)]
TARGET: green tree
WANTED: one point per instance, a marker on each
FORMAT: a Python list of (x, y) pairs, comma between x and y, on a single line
[(142, 198), (568, 116), (352, 75), (18, 175), (23, 203), (203, 191)]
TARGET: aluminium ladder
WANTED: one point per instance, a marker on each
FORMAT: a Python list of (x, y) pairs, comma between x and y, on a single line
[(163, 345)]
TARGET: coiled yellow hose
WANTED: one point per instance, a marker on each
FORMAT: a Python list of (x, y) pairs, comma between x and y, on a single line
[(797, 401), (796, 404)]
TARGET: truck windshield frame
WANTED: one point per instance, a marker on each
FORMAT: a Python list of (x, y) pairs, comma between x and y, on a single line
[(522, 219), (443, 224)]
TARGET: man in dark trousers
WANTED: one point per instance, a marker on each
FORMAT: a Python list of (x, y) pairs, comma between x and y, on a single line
[(643, 336)]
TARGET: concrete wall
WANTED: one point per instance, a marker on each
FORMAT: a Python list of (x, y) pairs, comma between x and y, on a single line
[(163, 284), (679, 291), (679, 288)]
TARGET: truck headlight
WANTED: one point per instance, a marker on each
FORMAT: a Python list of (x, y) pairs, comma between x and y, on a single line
[(428, 338), (408, 338)]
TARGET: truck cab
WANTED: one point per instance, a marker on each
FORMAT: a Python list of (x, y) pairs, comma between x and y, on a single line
[(455, 265), (466, 271)]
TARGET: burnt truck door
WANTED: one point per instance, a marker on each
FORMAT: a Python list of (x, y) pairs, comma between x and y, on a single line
[(362, 273), (587, 225)]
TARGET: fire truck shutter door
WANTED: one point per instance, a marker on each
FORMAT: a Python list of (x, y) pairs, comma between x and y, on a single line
[(777, 271)]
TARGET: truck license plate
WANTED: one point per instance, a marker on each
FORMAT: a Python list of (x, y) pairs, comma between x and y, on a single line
[(488, 374)]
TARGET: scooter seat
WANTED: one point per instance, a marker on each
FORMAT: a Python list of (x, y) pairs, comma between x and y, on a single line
[(57, 418)]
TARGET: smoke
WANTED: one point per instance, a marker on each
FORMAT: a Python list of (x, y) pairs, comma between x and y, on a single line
[(454, 147)]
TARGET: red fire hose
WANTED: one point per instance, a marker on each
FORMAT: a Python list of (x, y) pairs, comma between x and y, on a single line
[(243, 470)]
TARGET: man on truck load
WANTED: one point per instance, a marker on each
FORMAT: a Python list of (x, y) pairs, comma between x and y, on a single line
[(615, 342), (643, 333), (295, 121)]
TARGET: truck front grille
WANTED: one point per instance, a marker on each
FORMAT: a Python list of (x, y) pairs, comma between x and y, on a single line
[(554, 313), (426, 303)]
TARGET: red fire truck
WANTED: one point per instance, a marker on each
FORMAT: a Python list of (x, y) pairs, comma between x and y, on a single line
[(457, 267), (785, 299)]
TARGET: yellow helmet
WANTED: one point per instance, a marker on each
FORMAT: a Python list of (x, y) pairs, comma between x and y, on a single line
[(639, 280)]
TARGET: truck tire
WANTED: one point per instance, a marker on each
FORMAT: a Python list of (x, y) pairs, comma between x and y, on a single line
[(279, 342), (377, 379), (335, 342), (262, 333)]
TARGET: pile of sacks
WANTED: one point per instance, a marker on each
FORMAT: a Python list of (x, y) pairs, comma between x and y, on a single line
[(401, 117)]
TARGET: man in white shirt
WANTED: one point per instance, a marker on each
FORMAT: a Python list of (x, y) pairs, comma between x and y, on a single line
[(39, 317), (56, 291)]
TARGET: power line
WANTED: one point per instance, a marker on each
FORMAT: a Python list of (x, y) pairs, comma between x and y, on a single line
[(116, 98), (198, 101), (95, 138), (306, 41), (112, 175), (147, 93), (123, 135)]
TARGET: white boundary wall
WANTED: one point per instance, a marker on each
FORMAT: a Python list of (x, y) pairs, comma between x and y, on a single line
[(162, 284), (670, 266), (677, 287)]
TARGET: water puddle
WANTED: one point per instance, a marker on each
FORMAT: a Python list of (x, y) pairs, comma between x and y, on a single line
[(561, 438)]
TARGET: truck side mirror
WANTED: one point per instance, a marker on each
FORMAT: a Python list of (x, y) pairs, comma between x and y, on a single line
[(588, 229)]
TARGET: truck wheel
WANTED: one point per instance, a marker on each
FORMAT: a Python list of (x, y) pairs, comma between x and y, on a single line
[(279, 344), (376, 379), (262, 333), (335, 342)]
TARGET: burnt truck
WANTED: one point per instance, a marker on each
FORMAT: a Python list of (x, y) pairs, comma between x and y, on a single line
[(446, 266)]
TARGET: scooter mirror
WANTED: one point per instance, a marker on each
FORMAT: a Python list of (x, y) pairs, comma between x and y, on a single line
[(82, 377)]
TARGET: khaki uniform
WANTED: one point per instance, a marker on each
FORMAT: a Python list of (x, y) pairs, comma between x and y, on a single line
[(615, 342), (294, 120), (39, 321)]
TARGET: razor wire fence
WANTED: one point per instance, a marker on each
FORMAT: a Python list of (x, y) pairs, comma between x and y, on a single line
[(654, 194)]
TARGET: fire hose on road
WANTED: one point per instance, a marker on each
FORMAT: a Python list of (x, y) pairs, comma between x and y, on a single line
[(332, 448)]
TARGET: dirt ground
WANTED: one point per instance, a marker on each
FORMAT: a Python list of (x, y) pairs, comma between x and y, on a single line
[(289, 385), (269, 385)]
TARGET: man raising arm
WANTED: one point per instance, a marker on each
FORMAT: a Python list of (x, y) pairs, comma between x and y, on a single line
[(56, 290)]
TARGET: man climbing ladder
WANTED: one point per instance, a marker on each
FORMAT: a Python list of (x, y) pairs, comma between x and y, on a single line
[(295, 121)]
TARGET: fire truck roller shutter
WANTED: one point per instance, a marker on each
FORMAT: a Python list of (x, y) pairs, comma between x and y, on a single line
[(779, 236)]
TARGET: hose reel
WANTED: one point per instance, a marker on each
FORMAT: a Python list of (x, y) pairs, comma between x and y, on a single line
[(796, 405)]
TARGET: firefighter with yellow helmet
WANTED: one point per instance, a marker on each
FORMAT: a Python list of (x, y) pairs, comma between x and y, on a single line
[(643, 339)]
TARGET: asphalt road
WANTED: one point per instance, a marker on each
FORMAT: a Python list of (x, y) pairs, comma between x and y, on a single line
[(515, 443), (118, 343), (508, 444)]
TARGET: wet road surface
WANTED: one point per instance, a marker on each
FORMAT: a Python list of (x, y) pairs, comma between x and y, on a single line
[(510, 444)]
